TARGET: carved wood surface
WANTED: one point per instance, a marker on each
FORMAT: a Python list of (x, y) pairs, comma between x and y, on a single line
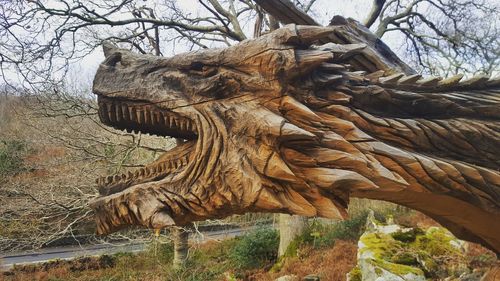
[(375, 56), (284, 123)]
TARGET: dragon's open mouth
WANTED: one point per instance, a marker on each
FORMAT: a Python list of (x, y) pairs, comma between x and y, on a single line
[(146, 118)]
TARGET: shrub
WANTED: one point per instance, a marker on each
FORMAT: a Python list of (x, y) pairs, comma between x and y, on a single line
[(11, 156), (324, 235), (256, 249)]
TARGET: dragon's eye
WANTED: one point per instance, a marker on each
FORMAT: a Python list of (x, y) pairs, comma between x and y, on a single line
[(202, 69), (197, 66)]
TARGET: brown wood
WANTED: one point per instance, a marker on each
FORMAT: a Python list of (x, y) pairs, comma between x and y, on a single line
[(278, 124), (376, 56)]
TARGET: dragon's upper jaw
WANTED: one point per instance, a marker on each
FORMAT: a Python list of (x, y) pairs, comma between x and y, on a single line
[(146, 118)]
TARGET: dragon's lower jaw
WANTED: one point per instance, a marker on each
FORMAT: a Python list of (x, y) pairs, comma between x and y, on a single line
[(141, 205), (142, 197), (147, 118)]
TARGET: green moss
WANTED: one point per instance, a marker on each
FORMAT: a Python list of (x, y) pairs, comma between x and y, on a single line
[(355, 274), (407, 236), (414, 251), (427, 263), (436, 242), (406, 258), (293, 247), (399, 269), (384, 248), (382, 245)]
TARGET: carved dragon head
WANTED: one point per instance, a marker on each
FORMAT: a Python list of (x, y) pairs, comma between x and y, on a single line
[(276, 124)]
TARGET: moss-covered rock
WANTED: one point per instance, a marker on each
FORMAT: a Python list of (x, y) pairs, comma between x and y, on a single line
[(375, 259), (390, 252), (438, 241), (354, 274)]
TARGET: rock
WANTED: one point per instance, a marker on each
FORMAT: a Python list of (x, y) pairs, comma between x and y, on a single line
[(472, 276), (389, 252), (311, 278), (288, 278)]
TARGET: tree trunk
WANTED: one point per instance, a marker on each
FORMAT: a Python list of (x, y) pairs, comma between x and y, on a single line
[(181, 238), (290, 228)]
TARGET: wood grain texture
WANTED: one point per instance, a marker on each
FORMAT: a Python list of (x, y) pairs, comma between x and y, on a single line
[(376, 56), (284, 123)]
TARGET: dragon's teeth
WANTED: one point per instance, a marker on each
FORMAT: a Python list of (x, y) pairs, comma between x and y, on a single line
[(125, 112), (132, 112), (138, 115), (153, 117), (111, 112), (159, 118), (118, 112), (147, 116)]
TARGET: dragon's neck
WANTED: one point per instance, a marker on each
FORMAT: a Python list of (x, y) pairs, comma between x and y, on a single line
[(411, 142)]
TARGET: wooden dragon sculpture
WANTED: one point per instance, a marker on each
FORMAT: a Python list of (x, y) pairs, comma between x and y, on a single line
[(278, 124)]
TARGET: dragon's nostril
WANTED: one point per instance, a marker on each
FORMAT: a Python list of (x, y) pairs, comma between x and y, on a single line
[(113, 59)]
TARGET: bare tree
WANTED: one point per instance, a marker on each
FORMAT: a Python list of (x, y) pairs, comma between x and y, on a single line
[(443, 37), (46, 202), (40, 38)]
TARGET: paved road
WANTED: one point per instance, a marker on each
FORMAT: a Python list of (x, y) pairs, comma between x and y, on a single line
[(72, 252)]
